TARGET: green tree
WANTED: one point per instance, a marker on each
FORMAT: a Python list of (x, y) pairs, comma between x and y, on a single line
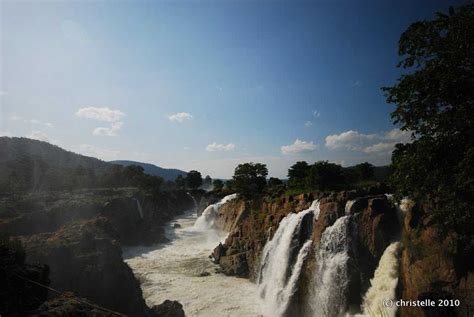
[(218, 184), (364, 171), (274, 182), (180, 182), (324, 176), (193, 179), (297, 175), (250, 179), (435, 102), (207, 182)]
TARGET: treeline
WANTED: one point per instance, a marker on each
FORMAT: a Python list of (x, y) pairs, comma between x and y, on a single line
[(250, 179), (31, 173)]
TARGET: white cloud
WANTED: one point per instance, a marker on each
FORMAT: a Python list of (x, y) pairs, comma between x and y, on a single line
[(368, 143), (356, 83), (38, 135), (180, 117), (308, 124), (349, 139), (379, 148), (104, 154), (316, 114), (2, 93), (299, 147), (6, 133), (100, 113), (16, 118), (112, 131), (214, 147)]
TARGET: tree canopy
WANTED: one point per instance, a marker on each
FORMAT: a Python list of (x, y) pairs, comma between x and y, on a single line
[(250, 179), (434, 101)]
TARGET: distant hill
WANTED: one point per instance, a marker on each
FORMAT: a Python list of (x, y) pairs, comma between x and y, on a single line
[(166, 173), (15, 150)]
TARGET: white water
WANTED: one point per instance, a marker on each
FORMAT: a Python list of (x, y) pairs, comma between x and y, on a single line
[(139, 208), (347, 208), (276, 288), (207, 219), (383, 285), (331, 279), (171, 271)]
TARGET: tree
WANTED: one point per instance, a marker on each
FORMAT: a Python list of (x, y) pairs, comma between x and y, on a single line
[(297, 174), (434, 102), (250, 179), (193, 179), (324, 175), (180, 182), (274, 182), (364, 171), (218, 184), (207, 182)]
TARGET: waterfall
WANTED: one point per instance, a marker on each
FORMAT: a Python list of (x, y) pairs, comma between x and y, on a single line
[(279, 271), (347, 208), (332, 276), (139, 208), (194, 200), (383, 285), (207, 219)]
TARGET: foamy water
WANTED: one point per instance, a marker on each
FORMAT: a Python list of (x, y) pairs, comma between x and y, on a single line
[(171, 271)]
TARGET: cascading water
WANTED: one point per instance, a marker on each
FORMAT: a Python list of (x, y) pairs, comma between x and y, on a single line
[(279, 271), (383, 285), (207, 219), (180, 270), (347, 208), (332, 276), (139, 208), (194, 200)]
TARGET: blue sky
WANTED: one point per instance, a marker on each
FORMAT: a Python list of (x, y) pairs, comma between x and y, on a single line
[(206, 85)]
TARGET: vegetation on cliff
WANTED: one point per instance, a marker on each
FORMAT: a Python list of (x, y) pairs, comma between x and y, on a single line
[(434, 101)]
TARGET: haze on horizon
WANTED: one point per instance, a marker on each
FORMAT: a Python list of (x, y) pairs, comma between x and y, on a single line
[(205, 85)]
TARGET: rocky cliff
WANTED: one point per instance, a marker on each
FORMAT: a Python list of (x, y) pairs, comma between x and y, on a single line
[(79, 236), (429, 266), (432, 268)]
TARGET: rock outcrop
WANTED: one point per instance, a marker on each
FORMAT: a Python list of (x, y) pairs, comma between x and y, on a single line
[(432, 268), (169, 309), (79, 236), (85, 256)]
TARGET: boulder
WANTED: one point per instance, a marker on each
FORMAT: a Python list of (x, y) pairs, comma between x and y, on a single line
[(169, 309)]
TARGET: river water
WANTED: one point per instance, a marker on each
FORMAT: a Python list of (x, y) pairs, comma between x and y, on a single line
[(173, 271)]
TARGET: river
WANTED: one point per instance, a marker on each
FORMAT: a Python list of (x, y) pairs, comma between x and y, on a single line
[(173, 271)]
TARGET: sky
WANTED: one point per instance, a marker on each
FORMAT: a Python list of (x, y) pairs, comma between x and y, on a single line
[(206, 85)]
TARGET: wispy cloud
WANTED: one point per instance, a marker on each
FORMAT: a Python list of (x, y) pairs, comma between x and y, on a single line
[(180, 117), (32, 121), (214, 147), (298, 147), (112, 131), (38, 135), (368, 143), (94, 151), (308, 124), (316, 114), (103, 114), (100, 114), (356, 83)]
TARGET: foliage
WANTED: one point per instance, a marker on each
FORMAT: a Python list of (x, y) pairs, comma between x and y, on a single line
[(207, 182), (193, 179), (180, 182), (297, 174), (274, 182), (434, 100), (218, 184), (324, 175), (250, 179)]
